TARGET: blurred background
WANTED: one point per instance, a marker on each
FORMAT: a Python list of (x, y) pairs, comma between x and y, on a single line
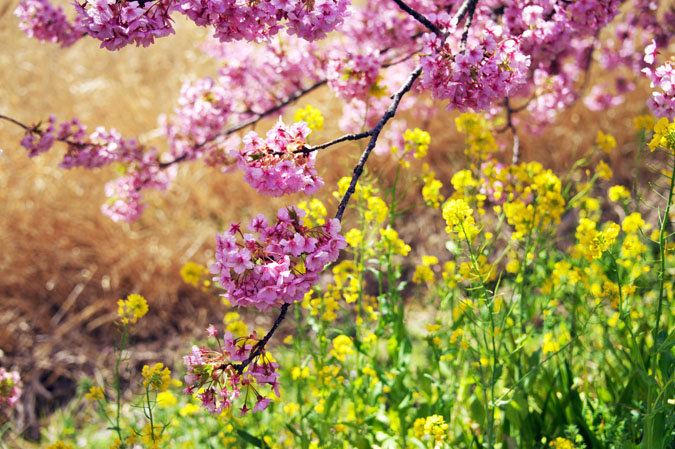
[(63, 264)]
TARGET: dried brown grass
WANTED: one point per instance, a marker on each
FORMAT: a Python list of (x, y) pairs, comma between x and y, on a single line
[(63, 264)]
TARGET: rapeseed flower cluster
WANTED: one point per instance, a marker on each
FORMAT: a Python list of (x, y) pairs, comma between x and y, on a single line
[(310, 115), (424, 273), (157, 377), (606, 142), (431, 191), (480, 141), (459, 219), (132, 308), (433, 427), (195, 274), (664, 135), (95, 394), (417, 142), (342, 346), (316, 213)]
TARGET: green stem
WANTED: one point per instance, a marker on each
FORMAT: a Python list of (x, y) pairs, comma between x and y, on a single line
[(118, 384)]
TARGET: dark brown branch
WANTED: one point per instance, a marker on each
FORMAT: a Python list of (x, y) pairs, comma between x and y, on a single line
[(260, 346), (262, 115), (344, 138), (510, 125), (16, 122), (419, 17), (466, 10), (375, 133), (180, 158)]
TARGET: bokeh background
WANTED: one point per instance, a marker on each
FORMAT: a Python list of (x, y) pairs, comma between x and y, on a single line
[(63, 265)]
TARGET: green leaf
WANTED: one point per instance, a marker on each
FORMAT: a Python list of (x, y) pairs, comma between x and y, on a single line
[(257, 442)]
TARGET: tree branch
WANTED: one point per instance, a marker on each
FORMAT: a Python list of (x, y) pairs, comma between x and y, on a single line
[(16, 122), (375, 133), (419, 17), (260, 346)]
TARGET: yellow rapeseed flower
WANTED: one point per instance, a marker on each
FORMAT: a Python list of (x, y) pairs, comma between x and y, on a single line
[(561, 443), (311, 116), (156, 377), (604, 171), (417, 141), (606, 142), (342, 346), (316, 213), (664, 135), (132, 308), (192, 273), (618, 193), (166, 399), (95, 394), (645, 122)]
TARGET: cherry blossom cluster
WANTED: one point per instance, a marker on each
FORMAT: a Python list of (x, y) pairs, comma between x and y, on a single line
[(141, 166), (278, 165), (280, 265), (43, 21), (117, 23), (251, 80), (353, 75), (489, 69), (214, 377), (662, 104), (10, 388)]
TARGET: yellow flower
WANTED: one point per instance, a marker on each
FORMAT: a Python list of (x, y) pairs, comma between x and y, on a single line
[(166, 399), (377, 209), (391, 242), (431, 191), (95, 394), (59, 445), (192, 273), (131, 309), (311, 116), (156, 378), (189, 409), (561, 443), (664, 135), (354, 237), (342, 346), (604, 171), (605, 142), (238, 328), (645, 122), (479, 139), (459, 219), (618, 193), (316, 213), (602, 241), (291, 408), (417, 141), (550, 346)]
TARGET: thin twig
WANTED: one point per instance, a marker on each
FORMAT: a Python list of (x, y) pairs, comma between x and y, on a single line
[(510, 125), (16, 122), (467, 9), (419, 17)]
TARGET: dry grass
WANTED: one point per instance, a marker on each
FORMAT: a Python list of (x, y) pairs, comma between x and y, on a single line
[(64, 264)]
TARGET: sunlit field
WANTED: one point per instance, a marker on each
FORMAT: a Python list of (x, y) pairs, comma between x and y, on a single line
[(481, 301)]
